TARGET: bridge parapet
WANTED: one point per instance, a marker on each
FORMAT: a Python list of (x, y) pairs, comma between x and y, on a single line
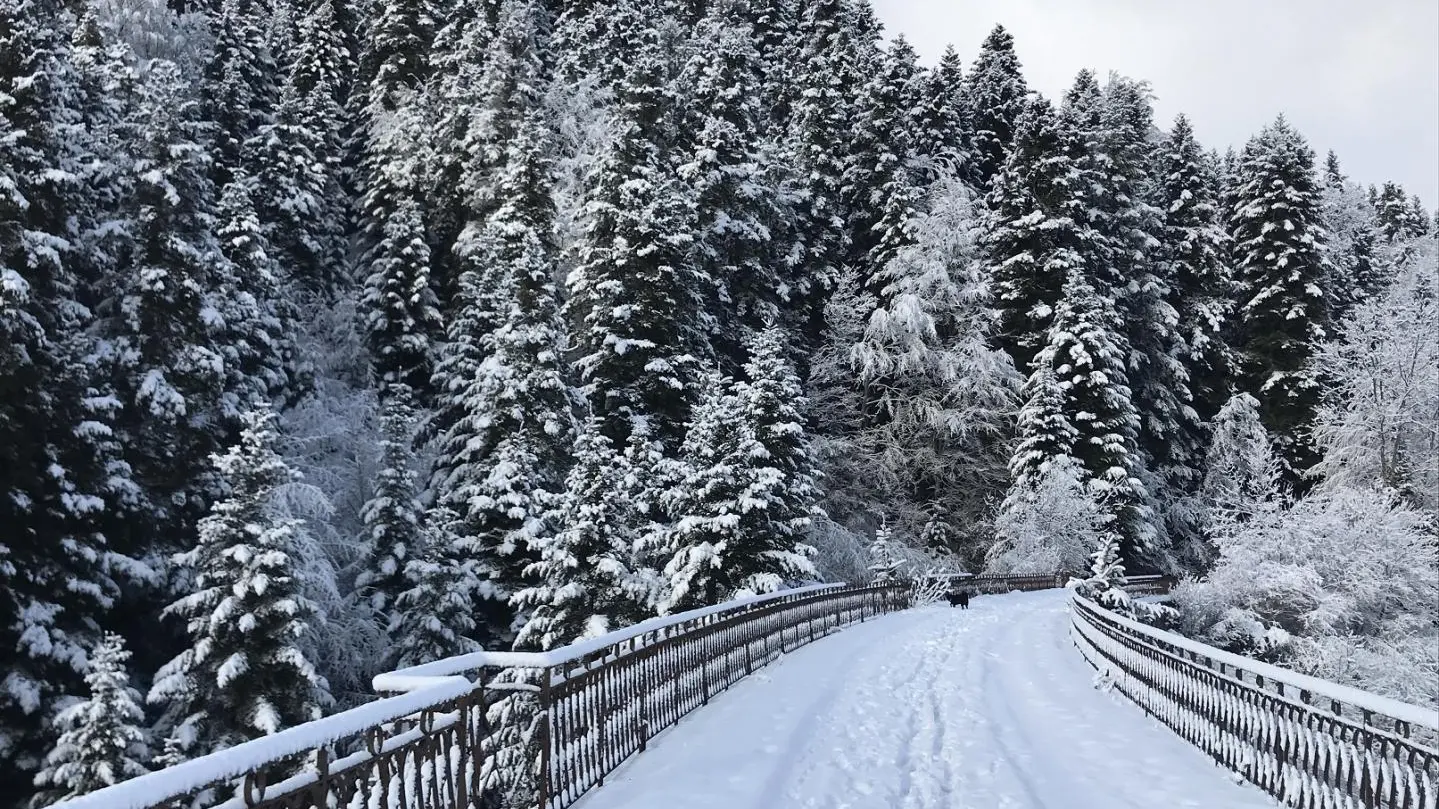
[(1306, 741), (494, 729)]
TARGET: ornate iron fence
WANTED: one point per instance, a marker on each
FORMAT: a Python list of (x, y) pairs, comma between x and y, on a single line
[(1307, 742), (476, 731)]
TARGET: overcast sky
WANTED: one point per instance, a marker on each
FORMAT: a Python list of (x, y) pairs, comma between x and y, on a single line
[(1360, 77)]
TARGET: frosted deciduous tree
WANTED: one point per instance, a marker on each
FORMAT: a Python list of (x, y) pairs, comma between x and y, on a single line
[(1050, 524)]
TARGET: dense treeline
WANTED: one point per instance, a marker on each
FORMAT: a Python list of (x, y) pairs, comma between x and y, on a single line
[(337, 336)]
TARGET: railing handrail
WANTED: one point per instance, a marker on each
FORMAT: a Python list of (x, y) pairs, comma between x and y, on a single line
[(412, 690), (404, 679), (146, 790), (1405, 712)]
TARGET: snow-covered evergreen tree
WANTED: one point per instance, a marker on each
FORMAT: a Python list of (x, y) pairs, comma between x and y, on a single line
[(940, 399), (1240, 470), (885, 563), (994, 98), (589, 583), (63, 486), (749, 488), (635, 304), (1352, 226), (392, 516), (102, 738), (1031, 238), (940, 125), (741, 211), (1195, 247), (240, 84), (435, 617), (1281, 269), (1079, 407), (246, 673)]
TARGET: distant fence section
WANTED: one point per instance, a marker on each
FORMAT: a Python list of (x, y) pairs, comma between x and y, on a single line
[(1307, 742)]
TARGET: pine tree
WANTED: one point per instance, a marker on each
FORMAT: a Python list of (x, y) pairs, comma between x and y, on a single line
[(940, 126), (1195, 247), (434, 617), (776, 25), (749, 488), (1031, 237), (392, 516), (246, 673), (995, 96), (503, 461), (62, 485), (635, 300), (589, 584), (1280, 268), (102, 741), (395, 59), (740, 211), (1080, 407), (885, 562)]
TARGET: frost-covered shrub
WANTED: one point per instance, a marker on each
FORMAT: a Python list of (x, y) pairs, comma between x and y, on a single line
[(1054, 526), (1342, 585)]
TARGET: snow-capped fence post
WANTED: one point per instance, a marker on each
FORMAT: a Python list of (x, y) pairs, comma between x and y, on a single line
[(1305, 741)]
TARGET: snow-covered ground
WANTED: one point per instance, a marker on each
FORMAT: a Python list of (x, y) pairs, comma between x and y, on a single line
[(935, 708)]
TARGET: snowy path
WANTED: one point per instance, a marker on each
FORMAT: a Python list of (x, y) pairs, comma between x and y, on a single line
[(935, 708)]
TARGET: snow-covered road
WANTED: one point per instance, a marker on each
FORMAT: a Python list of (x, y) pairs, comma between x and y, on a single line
[(935, 708)]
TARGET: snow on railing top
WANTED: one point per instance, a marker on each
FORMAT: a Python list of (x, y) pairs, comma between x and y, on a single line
[(1408, 713), (409, 678), (153, 788)]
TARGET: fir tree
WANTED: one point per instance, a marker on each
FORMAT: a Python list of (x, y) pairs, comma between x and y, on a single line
[(240, 84), (885, 565), (1280, 269), (828, 75), (1031, 236), (392, 515), (1352, 227), (881, 186), (1195, 250), (246, 673), (395, 59), (101, 739), (1080, 407), (589, 584), (402, 310), (749, 488), (1241, 472), (635, 301), (940, 126), (740, 212), (503, 460), (161, 313), (434, 617), (62, 480), (994, 98), (255, 340)]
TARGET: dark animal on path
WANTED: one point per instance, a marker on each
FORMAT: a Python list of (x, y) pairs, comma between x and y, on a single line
[(959, 599)]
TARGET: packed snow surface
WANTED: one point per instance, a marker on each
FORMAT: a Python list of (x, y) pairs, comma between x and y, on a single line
[(934, 708)]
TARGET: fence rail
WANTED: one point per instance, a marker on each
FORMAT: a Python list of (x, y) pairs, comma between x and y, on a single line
[(476, 731), (1305, 741)]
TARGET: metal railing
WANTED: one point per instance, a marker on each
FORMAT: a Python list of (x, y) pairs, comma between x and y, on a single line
[(1307, 742), (497, 729)]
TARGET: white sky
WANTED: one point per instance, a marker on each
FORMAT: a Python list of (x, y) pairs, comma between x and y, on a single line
[(1360, 77)]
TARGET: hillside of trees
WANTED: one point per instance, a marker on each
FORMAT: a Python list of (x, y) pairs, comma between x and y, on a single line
[(339, 336)]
